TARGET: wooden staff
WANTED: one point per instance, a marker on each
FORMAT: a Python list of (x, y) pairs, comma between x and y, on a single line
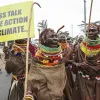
[(88, 27), (60, 28), (39, 35), (27, 50)]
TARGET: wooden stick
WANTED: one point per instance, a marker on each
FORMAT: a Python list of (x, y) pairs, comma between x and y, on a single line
[(27, 50), (88, 27), (60, 28)]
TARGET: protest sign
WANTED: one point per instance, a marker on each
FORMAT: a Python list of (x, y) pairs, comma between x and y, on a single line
[(14, 21)]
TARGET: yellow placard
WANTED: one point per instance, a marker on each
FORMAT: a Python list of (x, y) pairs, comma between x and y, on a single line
[(14, 21)]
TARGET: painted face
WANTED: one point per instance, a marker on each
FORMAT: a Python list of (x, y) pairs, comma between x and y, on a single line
[(51, 39)]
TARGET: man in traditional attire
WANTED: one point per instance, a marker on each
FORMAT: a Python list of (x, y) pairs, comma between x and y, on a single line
[(86, 66), (47, 75), (16, 64)]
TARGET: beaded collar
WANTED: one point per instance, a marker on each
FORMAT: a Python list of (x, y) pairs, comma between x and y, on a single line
[(92, 42), (49, 50), (49, 56), (92, 48), (18, 49)]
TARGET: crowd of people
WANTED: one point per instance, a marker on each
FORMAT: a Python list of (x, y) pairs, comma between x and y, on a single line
[(58, 69)]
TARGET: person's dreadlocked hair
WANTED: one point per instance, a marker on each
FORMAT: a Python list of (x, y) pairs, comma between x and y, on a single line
[(42, 36)]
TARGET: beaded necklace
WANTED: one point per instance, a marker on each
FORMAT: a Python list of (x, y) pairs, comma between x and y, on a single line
[(18, 49), (93, 47), (49, 56)]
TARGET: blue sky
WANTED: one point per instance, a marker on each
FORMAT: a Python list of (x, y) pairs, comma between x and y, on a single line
[(61, 12)]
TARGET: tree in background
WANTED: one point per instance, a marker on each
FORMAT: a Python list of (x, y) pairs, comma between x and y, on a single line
[(42, 25)]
